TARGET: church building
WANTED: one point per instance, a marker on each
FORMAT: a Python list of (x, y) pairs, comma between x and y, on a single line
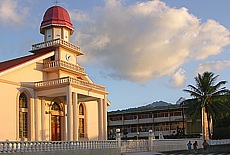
[(47, 95)]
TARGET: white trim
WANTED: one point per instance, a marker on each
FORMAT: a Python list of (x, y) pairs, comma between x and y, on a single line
[(27, 63)]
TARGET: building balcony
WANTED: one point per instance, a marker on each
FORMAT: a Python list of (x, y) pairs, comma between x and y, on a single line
[(146, 120), (162, 119), (56, 43), (111, 123), (66, 81), (60, 64), (132, 121)]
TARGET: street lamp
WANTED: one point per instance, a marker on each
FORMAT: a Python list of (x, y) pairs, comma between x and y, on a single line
[(183, 117), (181, 101), (138, 135)]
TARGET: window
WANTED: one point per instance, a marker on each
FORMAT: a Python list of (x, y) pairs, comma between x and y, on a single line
[(161, 127), (130, 117), (81, 121), (161, 114), (81, 127), (23, 116), (56, 107), (143, 116), (133, 128), (176, 113), (115, 118), (81, 109)]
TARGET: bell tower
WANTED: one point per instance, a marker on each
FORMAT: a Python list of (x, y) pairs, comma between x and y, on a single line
[(56, 24), (57, 28)]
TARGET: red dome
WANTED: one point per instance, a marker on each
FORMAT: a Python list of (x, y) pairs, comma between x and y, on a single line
[(56, 16)]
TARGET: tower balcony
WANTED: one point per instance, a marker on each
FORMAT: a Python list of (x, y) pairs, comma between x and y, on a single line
[(69, 80), (57, 43), (63, 65)]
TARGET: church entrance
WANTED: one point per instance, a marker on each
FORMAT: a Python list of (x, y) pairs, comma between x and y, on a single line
[(56, 115), (56, 128)]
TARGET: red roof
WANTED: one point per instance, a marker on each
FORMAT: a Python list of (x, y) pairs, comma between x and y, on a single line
[(56, 15), (18, 61)]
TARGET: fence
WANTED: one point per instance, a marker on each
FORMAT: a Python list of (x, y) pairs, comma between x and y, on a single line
[(161, 145), (44, 146), (134, 145)]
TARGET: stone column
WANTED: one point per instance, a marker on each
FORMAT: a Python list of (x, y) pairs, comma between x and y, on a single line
[(69, 114), (43, 123), (100, 119), (65, 124), (37, 103), (104, 119), (75, 117), (118, 137), (150, 140)]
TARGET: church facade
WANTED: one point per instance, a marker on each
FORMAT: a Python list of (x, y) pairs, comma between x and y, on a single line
[(47, 95)]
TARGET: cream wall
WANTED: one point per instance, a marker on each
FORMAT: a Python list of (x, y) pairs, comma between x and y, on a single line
[(9, 112), (30, 73), (11, 84)]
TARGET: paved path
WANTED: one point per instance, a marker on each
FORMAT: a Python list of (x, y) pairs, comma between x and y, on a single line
[(212, 150)]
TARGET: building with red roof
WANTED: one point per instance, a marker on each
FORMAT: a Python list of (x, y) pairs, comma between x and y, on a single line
[(47, 95)]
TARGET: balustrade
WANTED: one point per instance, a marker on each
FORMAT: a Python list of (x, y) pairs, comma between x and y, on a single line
[(56, 42), (67, 80), (64, 64), (38, 146)]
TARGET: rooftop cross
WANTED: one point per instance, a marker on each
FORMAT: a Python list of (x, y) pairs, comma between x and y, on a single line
[(56, 2)]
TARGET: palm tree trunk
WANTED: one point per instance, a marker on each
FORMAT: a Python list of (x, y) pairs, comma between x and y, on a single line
[(209, 130)]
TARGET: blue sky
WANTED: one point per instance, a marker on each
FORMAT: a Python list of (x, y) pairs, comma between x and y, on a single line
[(142, 51)]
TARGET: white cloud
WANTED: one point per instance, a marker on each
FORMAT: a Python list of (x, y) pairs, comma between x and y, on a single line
[(213, 66), (178, 79), (12, 13), (147, 40), (79, 16), (211, 39)]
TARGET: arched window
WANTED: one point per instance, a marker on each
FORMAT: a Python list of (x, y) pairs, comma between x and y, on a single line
[(81, 121), (81, 109), (23, 116), (56, 107)]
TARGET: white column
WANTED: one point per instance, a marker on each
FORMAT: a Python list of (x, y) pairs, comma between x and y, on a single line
[(69, 114), (75, 117), (43, 128), (37, 118), (32, 125), (105, 119), (65, 124), (100, 119)]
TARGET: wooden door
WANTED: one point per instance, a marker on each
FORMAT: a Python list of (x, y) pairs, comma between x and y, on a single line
[(56, 128)]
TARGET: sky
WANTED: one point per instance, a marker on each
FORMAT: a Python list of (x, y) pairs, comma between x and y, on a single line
[(142, 51)]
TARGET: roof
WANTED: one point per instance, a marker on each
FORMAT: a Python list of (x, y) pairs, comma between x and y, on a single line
[(56, 16), (6, 65)]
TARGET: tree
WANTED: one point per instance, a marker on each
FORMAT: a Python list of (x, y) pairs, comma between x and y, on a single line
[(209, 96)]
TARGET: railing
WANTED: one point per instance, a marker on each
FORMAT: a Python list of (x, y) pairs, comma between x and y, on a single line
[(219, 142), (39, 146), (67, 80), (134, 145), (55, 42), (64, 64)]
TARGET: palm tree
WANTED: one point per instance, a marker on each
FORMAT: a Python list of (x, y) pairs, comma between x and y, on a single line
[(209, 97)]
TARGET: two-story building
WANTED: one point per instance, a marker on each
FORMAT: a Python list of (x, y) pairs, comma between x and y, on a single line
[(168, 120)]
